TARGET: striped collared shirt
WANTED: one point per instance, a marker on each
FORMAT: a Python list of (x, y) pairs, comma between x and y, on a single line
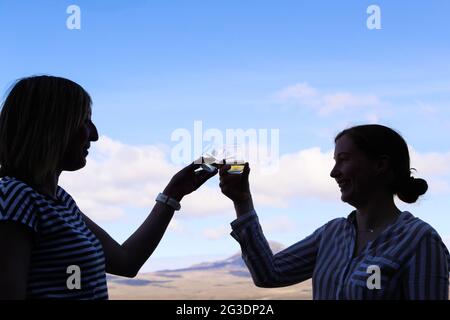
[(408, 260)]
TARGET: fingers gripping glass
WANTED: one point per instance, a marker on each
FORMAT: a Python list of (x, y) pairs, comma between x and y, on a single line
[(215, 156)]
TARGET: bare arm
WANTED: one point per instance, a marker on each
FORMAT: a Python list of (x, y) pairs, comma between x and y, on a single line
[(128, 258), (16, 242)]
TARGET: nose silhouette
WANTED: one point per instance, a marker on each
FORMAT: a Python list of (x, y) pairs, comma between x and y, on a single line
[(335, 172), (93, 133)]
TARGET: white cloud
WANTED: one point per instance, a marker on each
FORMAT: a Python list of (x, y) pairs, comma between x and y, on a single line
[(344, 100), (326, 103), (98, 210), (207, 201), (118, 177), (216, 233), (300, 92), (177, 226), (301, 174), (433, 167), (372, 117), (427, 108), (431, 163), (279, 224), (446, 240)]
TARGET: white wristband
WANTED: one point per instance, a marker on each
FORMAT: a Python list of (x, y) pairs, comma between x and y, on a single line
[(171, 202)]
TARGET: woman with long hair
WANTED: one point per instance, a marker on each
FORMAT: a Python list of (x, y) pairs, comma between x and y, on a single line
[(46, 241)]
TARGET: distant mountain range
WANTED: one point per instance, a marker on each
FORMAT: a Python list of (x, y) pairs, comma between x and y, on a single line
[(219, 280), (234, 262), (233, 265)]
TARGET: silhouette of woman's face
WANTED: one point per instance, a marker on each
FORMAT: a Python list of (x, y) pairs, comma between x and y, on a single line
[(75, 156), (353, 171)]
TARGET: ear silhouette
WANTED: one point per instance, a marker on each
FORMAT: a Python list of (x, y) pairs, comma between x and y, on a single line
[(384, 166)]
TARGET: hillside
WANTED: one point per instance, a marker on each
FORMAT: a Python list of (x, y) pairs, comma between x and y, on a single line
[(224, 279)]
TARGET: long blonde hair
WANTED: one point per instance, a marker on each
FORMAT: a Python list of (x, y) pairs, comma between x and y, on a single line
[(38, 117)]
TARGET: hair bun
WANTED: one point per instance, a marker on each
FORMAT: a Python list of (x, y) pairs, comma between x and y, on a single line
[(412, 189)]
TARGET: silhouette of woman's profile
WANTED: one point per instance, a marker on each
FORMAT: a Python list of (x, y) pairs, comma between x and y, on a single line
[(48, 247), (377, 252)]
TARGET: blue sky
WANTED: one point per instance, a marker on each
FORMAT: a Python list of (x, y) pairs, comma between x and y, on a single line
[(154, 66)]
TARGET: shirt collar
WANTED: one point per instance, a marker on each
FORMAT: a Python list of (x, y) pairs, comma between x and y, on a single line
[(351, 218)]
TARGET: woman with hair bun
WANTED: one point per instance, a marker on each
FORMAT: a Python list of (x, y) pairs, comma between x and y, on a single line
[(377, 252)]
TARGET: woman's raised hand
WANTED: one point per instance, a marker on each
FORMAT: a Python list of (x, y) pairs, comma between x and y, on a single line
[(187, 180)]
